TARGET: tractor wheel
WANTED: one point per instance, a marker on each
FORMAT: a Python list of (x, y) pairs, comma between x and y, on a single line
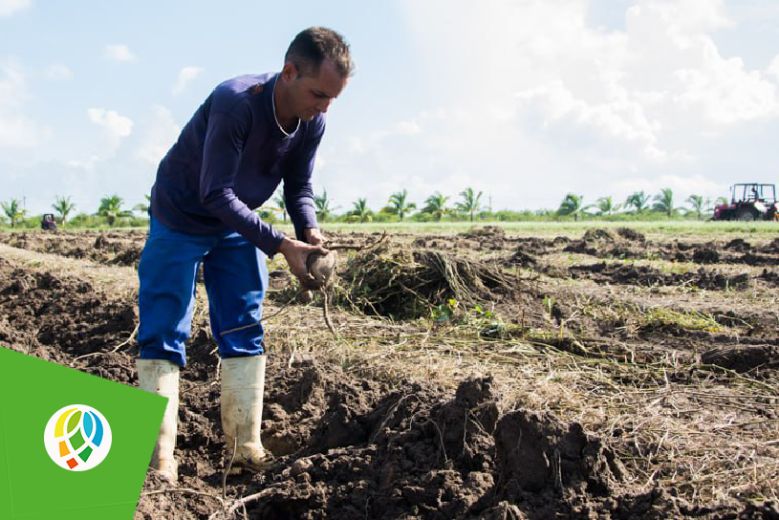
[(745, 214)]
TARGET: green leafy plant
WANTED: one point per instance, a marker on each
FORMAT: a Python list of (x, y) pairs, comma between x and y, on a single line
[(13, 210), (435, 206), (323, 208), (445, 312), (638, 200), (111, 209), (571, 206), (549, 302), (489, 324), (470, 202), (63, 207), (361, 212), (399, 205)]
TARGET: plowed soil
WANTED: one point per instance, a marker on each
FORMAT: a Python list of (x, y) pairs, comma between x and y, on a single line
[(604, 376)]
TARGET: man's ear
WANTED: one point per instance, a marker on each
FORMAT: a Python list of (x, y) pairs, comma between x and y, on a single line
[(289, 72)]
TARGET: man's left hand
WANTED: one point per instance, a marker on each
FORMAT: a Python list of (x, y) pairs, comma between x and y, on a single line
[(314, 236)]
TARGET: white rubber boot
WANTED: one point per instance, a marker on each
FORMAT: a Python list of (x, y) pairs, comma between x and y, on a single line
[(162, 377), (243, 384)]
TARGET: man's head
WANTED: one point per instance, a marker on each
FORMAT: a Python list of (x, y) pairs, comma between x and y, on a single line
[(316, 69), (316, 44)]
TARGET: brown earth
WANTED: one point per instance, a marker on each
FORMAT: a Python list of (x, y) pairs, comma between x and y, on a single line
[(105, 247), (563, 390), (649, 276)]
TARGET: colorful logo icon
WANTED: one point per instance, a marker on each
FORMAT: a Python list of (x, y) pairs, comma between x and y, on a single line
[(77, 437)]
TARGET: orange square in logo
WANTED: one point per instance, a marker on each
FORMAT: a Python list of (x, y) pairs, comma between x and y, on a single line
[(72, 463)]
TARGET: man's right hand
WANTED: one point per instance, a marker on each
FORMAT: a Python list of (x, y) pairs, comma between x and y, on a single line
[(296, 253)]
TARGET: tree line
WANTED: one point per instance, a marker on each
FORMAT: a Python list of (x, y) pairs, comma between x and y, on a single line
[(399, 208), (110, 212), (638, 203)]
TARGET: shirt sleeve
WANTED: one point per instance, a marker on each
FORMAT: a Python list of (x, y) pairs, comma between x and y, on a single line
[(298, 193), (225, 138)]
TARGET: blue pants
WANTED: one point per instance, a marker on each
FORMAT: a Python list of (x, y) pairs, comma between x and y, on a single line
[(235, 277)]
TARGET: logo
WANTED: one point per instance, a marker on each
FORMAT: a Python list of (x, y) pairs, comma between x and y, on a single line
[(77, 437)]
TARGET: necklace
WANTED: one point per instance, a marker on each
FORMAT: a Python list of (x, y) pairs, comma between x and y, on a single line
[(275, 118)]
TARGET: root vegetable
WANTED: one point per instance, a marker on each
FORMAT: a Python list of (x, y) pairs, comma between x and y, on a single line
[(321, 268)]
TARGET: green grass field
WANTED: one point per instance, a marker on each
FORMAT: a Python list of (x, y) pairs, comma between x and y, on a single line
[(685, 228), (676, 228)]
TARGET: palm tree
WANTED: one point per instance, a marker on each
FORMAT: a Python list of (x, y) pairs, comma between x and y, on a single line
[(111, 209), (143, 207), (398, 205), (362, 210), (698, 204), (322, 203), (13, 210), (435, 205), (638, 200), (470, 203), (571, 205), (606, 205), (664, 202), (63, 206), (282, 205)]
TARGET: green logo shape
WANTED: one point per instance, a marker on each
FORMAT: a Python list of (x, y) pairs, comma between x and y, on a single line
[(39, 396), (77, 437)]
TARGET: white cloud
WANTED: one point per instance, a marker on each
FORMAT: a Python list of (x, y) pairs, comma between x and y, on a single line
[(58, 72), (87, 164), (18, 132), (185, 76), (530, 88), (673, 50), (115, 127), (773, 68), (119, 52), (619, 118), (17, 129), (9, 7), (407, 128), (159, 134)]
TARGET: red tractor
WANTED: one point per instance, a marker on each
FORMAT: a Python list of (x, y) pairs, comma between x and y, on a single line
[(750, 201)]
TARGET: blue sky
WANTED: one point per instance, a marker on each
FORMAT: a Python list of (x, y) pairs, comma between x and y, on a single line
[(524, 100)]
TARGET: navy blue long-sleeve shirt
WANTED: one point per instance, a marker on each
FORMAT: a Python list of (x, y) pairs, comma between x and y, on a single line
[(229, 159)]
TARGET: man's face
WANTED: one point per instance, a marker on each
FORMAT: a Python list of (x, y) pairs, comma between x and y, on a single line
[(310, 94)]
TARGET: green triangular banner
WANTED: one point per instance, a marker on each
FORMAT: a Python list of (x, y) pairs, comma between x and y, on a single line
[(72, 445)]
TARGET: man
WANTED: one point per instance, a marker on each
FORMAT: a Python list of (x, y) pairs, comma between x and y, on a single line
[(250, 134)]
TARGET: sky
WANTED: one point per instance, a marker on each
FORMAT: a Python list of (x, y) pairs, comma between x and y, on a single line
[(523, 100)]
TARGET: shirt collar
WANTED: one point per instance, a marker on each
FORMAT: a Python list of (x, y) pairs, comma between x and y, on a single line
[(284, 133)]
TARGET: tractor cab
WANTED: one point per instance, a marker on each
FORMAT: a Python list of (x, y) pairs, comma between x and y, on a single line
[(48, 223), (752, 192)]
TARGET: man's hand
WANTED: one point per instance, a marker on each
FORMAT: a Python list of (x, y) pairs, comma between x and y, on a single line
[(314, 236), (296, 253)]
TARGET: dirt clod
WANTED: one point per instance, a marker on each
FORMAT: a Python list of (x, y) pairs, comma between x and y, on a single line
[(743, 358), (705, 255)]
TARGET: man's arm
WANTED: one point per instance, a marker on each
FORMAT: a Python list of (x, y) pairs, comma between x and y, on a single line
[(314, 236), (225, 138), (298, 193)]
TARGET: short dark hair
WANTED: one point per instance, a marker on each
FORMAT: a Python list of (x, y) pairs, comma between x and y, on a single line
[(314, 45)]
